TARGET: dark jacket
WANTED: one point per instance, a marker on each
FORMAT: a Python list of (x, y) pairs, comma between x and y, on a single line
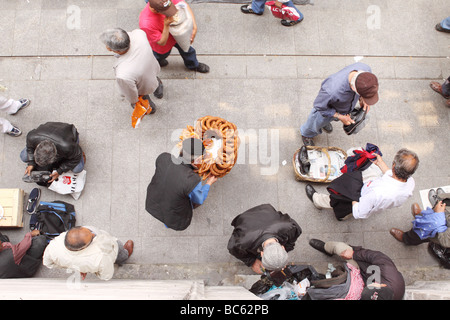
[(255, 226), (389, 274), (28, 265), (168, 192), (65, 138), (343, 190)]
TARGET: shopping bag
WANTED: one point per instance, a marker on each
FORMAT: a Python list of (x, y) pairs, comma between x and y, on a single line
[(69, 183), (182, 27)]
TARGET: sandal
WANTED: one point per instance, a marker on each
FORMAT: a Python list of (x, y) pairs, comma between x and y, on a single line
[(436, 86)]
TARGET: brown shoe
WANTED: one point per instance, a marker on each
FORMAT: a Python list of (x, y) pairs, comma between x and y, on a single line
[(415, 209), (397, 234), (436, 86), (129, 245)]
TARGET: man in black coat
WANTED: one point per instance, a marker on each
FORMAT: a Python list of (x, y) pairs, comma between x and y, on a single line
[(53, 146), (262, 236), (382, 279), (175, 188)]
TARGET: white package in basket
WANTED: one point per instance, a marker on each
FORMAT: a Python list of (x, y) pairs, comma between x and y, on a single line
[(181, 28), (69, 183)]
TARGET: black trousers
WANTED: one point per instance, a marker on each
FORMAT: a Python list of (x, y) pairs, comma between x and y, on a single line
[(411, 238)]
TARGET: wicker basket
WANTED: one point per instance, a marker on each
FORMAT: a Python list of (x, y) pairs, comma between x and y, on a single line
[(301, 177)]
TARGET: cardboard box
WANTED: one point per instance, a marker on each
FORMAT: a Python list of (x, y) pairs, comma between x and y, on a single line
[(11, 202)]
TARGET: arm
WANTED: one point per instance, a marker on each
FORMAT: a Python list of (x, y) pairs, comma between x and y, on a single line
[(194, 31), (165, 33), (128, 89), (19, 250), (200, 192)]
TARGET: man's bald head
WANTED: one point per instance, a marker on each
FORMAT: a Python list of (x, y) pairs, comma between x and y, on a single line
[(78, 238)]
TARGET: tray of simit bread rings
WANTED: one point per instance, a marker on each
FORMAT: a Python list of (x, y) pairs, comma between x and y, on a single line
[(221, 140)]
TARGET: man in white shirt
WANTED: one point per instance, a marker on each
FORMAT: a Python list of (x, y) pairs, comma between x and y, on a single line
[(390, 190), (136, 68), (87, 249)]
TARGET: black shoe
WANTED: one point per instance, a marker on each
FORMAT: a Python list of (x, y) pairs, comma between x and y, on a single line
[(152, 104), (307, 141), (432, 197), (319, 245), (202, 68), (248, 9), (328, 128), (163, 63), (159, 92), (290, 23), (37, 177), (310, 192), (303, 160)]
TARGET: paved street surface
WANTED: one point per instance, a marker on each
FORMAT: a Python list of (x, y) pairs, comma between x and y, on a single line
[(264, 77)]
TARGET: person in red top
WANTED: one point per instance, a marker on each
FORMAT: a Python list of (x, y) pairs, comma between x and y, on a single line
[(155, 20)]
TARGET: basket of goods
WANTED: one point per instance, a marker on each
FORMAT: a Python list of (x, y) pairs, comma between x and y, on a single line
[(318, 164), (221, 140)]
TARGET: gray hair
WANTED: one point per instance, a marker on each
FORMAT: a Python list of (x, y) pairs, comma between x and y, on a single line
[(405, 164), (45, 153), (116, 39)]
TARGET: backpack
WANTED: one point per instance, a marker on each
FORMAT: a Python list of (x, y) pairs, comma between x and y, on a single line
[(53, 218)]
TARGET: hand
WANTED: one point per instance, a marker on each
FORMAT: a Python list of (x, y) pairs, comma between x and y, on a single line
[(380, 163), (28, 170), (194, 33), (35, 233), (439, 207), (211, 180), (257, 266), (363, 104), (278, 4), (347, 120), (54, 176), (168, 21), (347, 254)]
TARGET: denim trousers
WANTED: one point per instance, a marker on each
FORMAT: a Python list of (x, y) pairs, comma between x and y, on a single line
[(258, 7), (446, 87), (313, 126), (189, 58), (446, 23)]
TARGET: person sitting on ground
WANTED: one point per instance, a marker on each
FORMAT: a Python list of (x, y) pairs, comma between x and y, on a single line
[(348, 195), (175, 189), (53, 146), (87, 250), (382, 279), (21, 260), (428, 225), (262, 238)]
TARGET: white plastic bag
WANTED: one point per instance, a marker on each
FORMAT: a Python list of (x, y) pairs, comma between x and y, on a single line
[(69, 183), (181, 28)]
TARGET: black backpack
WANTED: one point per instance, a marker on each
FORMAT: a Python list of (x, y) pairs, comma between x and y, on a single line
[(53, 218)]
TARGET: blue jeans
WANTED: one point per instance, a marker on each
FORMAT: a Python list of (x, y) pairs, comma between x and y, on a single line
[(189, 58), (313, 126), (446, 23), (79, 167), (258, 7), (446, 87)]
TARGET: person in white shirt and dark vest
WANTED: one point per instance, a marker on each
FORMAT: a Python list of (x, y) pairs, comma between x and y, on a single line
[(175, 189), (348, 195)]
